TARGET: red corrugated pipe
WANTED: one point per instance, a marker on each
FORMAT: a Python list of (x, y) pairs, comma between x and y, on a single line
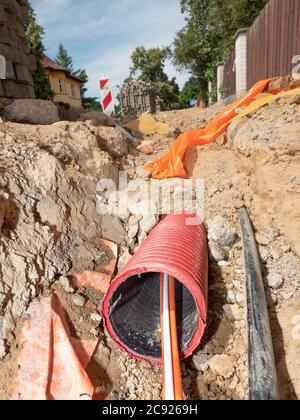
[(131, 308)]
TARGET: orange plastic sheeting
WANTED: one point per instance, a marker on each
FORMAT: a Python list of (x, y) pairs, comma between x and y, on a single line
[(171, 165), (51, 365), (98, 281)]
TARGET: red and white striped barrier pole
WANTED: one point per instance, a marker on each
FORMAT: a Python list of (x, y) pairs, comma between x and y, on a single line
[(106, 96)]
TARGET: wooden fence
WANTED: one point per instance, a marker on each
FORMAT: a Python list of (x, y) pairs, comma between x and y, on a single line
[(272, 42), (229, 75)]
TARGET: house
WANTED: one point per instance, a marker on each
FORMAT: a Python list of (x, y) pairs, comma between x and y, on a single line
[(65, 85)]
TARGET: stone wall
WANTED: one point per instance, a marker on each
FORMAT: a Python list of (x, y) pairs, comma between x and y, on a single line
[(16, 62), (139, 97)]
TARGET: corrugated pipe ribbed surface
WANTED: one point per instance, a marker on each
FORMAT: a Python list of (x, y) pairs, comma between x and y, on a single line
[(131, 308)]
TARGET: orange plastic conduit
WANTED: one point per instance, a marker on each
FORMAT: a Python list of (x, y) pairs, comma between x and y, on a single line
[(171, 165)]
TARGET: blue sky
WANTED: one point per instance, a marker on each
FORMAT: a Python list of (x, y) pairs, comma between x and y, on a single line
[(101, 34)]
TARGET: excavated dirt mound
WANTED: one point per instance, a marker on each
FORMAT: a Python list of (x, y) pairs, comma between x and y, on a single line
[(50, 228)]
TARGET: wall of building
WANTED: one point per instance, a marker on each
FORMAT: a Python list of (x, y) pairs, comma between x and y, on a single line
[(17, 64), (71, 94)]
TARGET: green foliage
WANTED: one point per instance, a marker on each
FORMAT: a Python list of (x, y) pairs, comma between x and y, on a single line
[(92, 104), (191, 90), (149, 66), (207, 37), (34, 34), (64, 59)]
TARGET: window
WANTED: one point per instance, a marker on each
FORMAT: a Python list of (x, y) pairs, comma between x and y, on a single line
[(73, 91), (61, 83)]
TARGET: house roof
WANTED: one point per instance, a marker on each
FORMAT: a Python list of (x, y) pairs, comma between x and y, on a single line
[(52, 65)]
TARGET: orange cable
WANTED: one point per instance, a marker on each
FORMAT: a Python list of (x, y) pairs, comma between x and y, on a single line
[(178, 391)]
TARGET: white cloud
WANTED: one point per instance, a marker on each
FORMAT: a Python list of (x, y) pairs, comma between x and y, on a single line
[(101, 34)]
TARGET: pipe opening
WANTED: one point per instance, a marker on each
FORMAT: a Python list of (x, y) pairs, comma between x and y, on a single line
[(135, 314)]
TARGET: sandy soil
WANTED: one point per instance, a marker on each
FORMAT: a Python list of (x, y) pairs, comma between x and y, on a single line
[(256, 164)]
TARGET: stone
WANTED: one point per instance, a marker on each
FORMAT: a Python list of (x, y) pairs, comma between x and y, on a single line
[(275, 280), (272, 234), (62, 124), (3, 349), (148, 223), (221, 232), (1, 216), (98, 118), (31, 111), (132, 227), (1, 324), (231, 297), (224, 264), (223, 365), (113, 229), (66, 284), (113, 141), (79, 300), (200, 361), (233, 312), (96, 317), (142, 173), (123, 260), (294, 100), (146, 147), (216, 252)]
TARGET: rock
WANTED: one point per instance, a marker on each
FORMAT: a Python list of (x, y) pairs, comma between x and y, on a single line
[(262, 239), (79, 300), (233, 312), (216, 252), (272, 234), (123, 260), (32, 111), (224, 264), (148, 223), (112, 229), (223, 365), (289, 292), (3, 349), (1, 216), (221, 232), (231, 297), (200, 361), (275, 280), (113, 141), (66, 284), (62, 124), (294, 100), (146, 147), (264, 253), (98, 118), (174, 132), (132, 227), (96, 317), (142, 173)]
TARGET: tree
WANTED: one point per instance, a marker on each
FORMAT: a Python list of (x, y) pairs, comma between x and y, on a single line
[(149, 66), (207, 37), (189, 91), (34, 34), (64, 59)]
